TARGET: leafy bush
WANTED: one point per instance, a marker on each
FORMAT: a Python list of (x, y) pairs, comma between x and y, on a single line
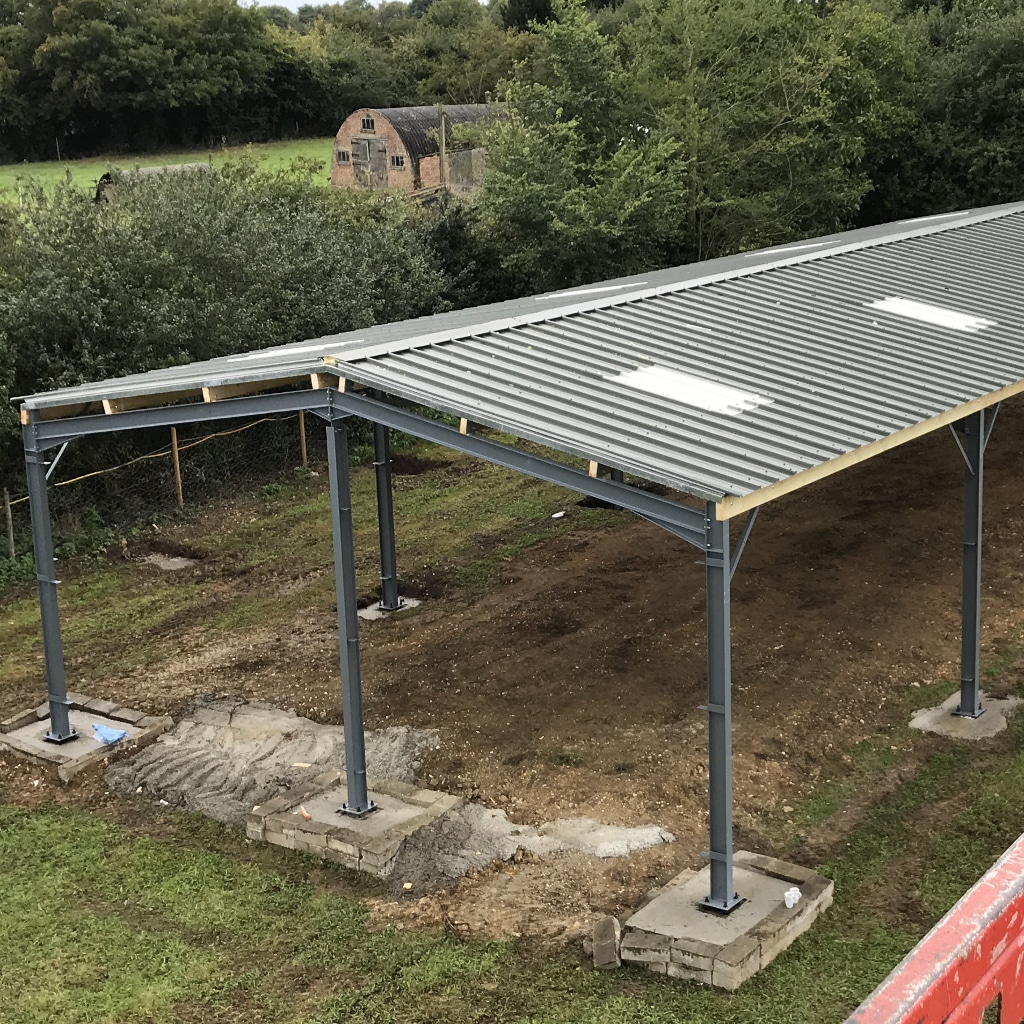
[(179, 267)]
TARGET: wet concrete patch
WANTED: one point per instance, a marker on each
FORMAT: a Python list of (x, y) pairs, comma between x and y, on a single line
[(944, 722), (225, 755)]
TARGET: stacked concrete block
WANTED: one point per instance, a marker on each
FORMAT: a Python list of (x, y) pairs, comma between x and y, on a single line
[(357, 843), (673, 934), (22, 734), (783, 925)]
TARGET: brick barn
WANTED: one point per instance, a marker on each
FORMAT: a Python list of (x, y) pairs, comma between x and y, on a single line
[(397, 147)]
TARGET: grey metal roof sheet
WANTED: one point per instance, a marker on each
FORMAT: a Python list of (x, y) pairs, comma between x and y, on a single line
[(793, 326), (417, 126)]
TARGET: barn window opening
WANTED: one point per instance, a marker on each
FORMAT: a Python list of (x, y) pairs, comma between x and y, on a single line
[(344, 156), (398, 162), (367, 124)]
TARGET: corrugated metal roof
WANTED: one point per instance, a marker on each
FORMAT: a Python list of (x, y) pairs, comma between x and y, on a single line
[(755, 370), (417, 126)]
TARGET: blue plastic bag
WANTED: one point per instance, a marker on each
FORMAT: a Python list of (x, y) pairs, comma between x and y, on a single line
[(107, 735)]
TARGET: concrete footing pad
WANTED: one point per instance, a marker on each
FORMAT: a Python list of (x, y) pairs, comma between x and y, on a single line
[(374, 611), (24, 734), (674, 935), (941, 720), (306, 818)]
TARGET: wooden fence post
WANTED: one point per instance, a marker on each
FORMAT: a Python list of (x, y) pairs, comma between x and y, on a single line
[(10, 523), (302, 437), (177, 466)]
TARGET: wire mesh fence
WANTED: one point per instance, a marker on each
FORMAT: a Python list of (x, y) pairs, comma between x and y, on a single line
[(112, 485)]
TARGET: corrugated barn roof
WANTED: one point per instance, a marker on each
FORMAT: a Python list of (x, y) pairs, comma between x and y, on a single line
[(417, 126), (735, 380)]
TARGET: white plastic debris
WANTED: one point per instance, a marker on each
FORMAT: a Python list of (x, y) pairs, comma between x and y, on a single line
[(558, 515), (792, 897)]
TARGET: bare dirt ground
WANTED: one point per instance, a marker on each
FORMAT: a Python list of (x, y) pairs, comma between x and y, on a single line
[(572, 687)]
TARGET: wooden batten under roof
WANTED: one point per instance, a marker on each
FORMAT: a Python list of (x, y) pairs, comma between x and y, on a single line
[(729, 507), (127, 404), (239, 389), (319, 381)]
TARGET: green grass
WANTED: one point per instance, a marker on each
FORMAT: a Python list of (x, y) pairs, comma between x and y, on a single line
[(85, 173), (460, 523), (98, 924), (174, 920)]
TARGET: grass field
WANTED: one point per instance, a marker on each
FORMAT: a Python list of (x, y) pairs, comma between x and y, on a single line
[(138, 915), (85, 173), (178, 920)]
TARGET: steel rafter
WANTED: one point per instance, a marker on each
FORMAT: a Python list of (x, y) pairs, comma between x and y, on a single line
[(697, 527), (671, 514)]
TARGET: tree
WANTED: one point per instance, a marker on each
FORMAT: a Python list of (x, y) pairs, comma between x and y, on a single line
[(774, 105), (576, 190), (702, 127), (457, 53), (521, 15), (187, 266), (966, 146)]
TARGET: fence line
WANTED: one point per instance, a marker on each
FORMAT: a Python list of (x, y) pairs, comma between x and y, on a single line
[(134, 479), (174, 450)]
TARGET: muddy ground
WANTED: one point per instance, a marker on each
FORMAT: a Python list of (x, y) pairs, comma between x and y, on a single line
[(572, 687)]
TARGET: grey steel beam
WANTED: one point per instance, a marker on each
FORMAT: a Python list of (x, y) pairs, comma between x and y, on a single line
[(358, 803), (973, 436), (698, 540), (49, 612), (50, 433), (389, 599), (722, 897), (671, 514)]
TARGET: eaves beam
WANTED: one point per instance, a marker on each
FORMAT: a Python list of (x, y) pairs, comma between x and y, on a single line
[(682, 520), (50, 433)]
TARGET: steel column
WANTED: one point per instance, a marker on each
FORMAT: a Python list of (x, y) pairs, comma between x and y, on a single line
[(972, 431), (49, 612), (358, 803), (389, 599), (723, 897)]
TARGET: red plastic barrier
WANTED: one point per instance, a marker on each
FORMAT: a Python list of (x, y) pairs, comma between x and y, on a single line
[(973, 957)]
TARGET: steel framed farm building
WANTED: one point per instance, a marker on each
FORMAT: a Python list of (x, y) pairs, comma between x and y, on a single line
[(733, 382)]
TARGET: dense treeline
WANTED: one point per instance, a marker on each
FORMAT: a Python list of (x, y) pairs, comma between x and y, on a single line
[(89, 76), (637, 135), (186, 266)]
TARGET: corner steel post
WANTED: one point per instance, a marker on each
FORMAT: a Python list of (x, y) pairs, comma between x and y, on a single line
[(723, 897), (389, 599), (358, 803), (972, 430), (49, 612)]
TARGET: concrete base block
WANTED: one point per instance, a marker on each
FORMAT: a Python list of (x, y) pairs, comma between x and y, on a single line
[(374, 611), (607, 937), (673, 934), (941, 720), (306, 818), (25, 734)]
